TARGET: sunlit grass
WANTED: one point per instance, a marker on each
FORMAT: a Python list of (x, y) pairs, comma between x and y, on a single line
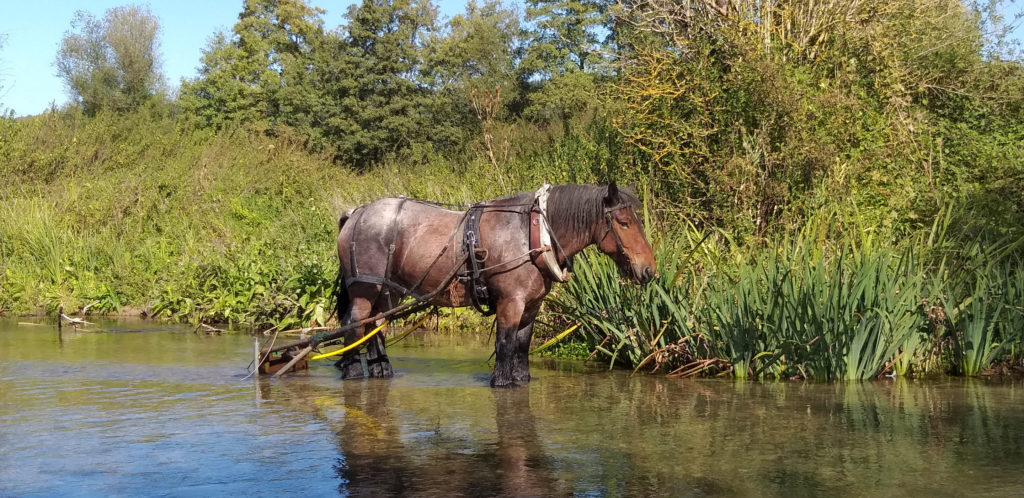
[(798, 308)]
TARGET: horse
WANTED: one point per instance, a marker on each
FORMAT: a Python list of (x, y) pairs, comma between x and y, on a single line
[(397, 247)]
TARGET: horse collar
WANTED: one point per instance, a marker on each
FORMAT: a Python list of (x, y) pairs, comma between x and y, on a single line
[(543, 243)]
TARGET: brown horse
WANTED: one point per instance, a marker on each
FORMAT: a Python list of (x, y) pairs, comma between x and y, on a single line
[(397, 247)]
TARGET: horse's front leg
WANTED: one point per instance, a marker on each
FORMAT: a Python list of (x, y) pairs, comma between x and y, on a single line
[(512, 344)]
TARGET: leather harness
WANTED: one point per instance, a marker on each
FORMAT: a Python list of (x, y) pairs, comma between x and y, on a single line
[(545, 252), (476, 256)]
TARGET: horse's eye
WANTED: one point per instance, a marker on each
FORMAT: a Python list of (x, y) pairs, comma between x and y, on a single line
[(624, 225)]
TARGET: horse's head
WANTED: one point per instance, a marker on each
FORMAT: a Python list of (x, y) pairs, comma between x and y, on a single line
[(621, 236)]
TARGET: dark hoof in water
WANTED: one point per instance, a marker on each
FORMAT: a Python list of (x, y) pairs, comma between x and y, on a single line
[(350, 368), (350, 374), (506, 383), (381, 370)]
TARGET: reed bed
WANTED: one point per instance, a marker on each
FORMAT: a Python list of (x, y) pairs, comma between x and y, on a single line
[(803, 307)]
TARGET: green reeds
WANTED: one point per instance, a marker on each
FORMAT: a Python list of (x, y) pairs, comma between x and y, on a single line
[(801, 308)]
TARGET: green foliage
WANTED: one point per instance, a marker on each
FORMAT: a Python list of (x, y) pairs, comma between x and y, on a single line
[(562, 97), (384, 106), (564, 57), (137, 213), (836, 187), (262, 71), (473, 57), (566, 36), (801, 307), (758, 115), (361, 93), (113, 63), (479, 50)]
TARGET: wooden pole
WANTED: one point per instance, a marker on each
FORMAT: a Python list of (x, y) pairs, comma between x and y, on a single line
[(302, 354), (255, 353), (256, 367)]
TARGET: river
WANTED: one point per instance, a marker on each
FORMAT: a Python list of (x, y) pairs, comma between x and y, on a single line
[(142, 408)]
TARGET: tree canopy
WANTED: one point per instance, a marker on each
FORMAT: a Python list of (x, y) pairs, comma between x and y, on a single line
[(743, 114), (111, 63)]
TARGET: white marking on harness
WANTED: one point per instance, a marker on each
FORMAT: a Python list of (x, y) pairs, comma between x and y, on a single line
[(548, 255)]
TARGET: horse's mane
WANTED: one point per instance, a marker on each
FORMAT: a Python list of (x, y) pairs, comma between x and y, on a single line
[(576, 208)]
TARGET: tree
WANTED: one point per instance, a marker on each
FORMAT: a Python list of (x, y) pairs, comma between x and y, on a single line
[(263, 70), (566, 36), (385, 103), (480, 51), (113, 63), (472, 68), (565, 55)]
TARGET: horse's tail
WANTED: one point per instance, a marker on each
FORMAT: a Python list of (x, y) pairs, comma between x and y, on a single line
[(340, 296), (340, 292)]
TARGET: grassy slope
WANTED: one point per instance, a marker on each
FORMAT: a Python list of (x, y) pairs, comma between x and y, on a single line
[(132, 212)]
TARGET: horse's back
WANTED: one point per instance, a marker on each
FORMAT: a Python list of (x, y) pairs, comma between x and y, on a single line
[(398, 239)]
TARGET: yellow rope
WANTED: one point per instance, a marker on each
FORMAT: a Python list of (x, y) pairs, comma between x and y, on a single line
[(408, 331), (555, 339), (351, 346)]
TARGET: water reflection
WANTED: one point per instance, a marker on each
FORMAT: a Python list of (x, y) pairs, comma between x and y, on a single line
[(388, 450), (130, 413)]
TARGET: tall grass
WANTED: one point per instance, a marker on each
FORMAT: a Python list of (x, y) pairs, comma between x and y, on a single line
[(798, 307)]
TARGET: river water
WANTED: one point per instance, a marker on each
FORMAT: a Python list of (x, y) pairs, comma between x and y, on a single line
[(132, 409)]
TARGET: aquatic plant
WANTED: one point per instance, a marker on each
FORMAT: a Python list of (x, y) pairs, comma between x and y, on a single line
[(849, 311)]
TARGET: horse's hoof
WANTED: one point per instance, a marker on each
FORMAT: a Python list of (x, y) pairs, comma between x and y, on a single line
[(503, 383), (520, 376), (381, 372), (348, 374), (350, 369)]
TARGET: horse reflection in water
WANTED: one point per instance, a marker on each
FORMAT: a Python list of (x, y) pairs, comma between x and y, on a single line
[(376, 462), (397, 247)]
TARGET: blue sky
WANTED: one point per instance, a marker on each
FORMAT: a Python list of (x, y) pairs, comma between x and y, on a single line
[(34, 28)]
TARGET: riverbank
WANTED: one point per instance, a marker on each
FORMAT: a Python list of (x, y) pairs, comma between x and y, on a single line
[(139, 214)]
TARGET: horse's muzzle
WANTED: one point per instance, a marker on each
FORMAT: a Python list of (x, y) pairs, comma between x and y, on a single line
[(642, 274)]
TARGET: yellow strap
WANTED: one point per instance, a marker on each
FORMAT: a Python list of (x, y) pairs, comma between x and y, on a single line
[(555, 339), (408, 331), (351, 346)]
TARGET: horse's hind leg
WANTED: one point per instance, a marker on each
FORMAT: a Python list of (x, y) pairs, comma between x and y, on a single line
[(377, 361), (362, 298)]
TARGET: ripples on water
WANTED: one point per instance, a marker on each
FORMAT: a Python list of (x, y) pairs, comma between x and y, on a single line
[(139, 409)]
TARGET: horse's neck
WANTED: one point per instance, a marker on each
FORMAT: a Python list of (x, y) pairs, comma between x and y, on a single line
[(572, 241)]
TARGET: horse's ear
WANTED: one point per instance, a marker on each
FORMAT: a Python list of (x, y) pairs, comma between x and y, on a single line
[(612, 197)]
